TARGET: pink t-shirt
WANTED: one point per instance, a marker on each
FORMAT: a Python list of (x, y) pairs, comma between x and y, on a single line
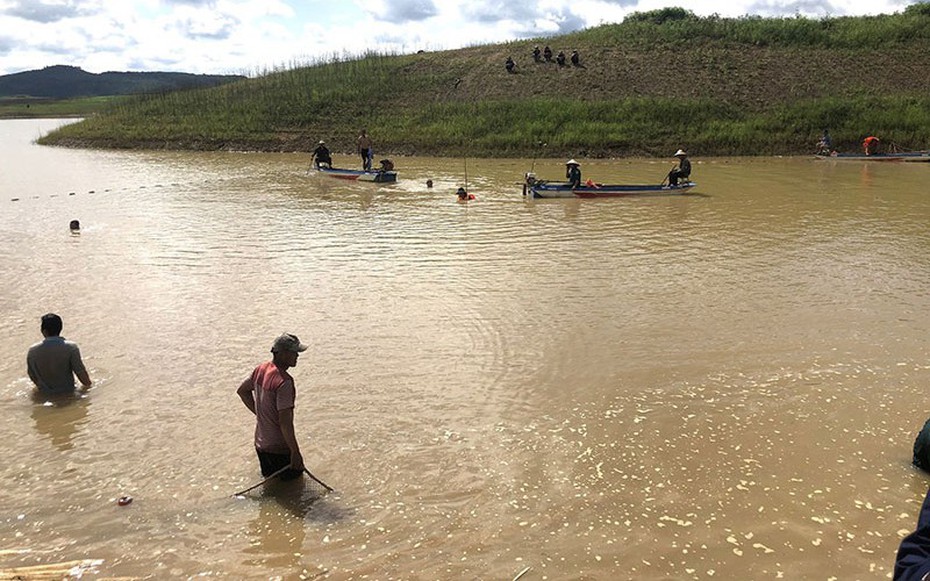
[(274, 391)]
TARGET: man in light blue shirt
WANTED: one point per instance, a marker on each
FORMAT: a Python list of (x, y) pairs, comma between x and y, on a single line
[(53, 363)]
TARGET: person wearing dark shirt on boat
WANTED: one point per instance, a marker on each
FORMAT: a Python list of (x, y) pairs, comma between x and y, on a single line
[(870, 145), (365, 148), (573, 173), (682, 171), (321, 156), (825, 145)]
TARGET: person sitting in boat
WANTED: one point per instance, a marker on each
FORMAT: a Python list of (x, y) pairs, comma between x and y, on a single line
[(560, 58), (825, 145), (510, 65), (463, 196), (536, 54), (547, 54), (682, 171), (321, 156), (386, 165), (573, 173), (870, 145)]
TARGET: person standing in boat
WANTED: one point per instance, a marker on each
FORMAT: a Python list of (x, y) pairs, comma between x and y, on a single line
[(321, 156), (573, 173), (269, 393), (366, 148), (870, 145), (682, 171)]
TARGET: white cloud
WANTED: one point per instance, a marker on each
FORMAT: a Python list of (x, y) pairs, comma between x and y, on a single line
[(46, 11)]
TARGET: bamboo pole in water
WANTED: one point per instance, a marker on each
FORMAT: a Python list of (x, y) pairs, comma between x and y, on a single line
[(49, 571)]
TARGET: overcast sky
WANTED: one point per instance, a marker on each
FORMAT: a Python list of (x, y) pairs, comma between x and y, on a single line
[(251, 36)]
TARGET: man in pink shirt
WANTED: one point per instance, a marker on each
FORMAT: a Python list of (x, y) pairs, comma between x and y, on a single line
[(269, 393)]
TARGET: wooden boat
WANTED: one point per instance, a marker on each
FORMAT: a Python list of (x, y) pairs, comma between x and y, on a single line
[(542, 189), (923, 156), (375, 175)]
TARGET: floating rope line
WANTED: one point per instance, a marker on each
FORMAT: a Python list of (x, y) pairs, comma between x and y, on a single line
[(60, 195)]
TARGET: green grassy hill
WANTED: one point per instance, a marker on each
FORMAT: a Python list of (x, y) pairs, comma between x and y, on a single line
[(658, 81)]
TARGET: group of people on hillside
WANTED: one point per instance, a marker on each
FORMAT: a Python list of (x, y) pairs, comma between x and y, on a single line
[(545, 56)]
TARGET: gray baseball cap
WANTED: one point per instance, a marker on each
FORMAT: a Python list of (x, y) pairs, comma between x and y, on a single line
[(288, 342)]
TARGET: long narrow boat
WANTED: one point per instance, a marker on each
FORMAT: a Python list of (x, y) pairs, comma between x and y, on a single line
[(541, 189), (919, 156), (377, 176)]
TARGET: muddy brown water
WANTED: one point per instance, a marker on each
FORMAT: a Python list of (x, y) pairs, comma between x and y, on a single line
[(719, 385)]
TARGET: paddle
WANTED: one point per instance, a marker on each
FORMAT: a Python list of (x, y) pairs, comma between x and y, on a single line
[(465, 164), (665, 181), (536, 154)]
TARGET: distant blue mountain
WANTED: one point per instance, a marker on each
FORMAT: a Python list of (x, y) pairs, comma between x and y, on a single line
[(64, 82)]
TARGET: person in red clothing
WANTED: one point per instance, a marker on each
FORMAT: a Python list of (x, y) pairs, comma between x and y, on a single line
[(269, 393), (870, 145), (463, 196)]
